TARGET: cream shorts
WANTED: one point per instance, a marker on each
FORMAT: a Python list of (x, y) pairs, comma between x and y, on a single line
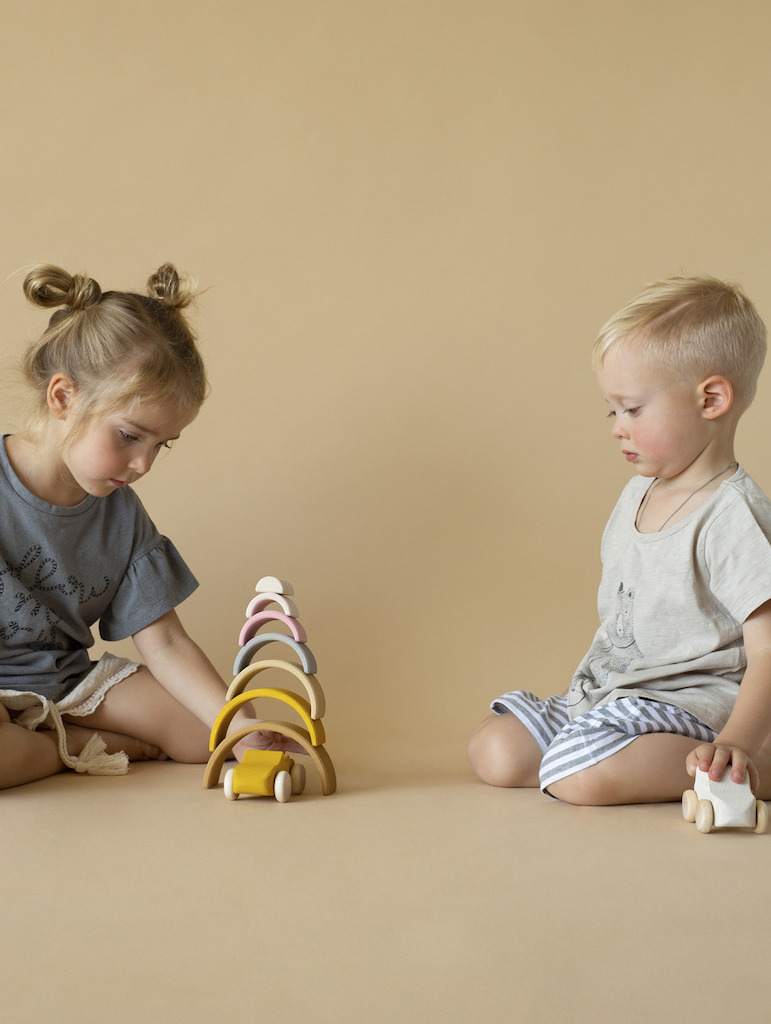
[(32, 711)]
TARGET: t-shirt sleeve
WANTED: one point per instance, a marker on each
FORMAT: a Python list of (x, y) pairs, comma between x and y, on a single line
[(154, 583), (738, 553)]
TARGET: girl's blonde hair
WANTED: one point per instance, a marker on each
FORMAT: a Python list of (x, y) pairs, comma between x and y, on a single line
[(118, 348), (697, 326)]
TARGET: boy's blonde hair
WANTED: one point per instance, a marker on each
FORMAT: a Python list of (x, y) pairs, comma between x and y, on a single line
[(117, 347), (697, 326)]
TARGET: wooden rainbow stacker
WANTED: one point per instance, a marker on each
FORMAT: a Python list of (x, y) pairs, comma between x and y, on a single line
[(264, 773)]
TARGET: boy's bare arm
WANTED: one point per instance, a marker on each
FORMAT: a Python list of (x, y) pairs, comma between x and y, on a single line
[(749, 724)]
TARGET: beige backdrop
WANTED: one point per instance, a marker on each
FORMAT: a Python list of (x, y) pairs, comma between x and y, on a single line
[(409, 219)]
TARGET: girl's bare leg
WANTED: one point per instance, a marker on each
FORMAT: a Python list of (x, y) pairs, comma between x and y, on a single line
[(502, 752), (140, 710), (26, 756), (139, 707)]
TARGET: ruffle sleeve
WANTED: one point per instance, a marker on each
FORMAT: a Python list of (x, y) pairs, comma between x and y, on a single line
[(156, 582)]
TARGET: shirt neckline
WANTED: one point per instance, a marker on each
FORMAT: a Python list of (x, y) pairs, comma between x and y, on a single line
[(32, 499)]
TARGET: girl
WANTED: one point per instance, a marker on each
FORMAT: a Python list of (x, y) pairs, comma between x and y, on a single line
[(116, 377)]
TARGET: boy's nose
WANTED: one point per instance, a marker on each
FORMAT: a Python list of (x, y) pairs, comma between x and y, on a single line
[(618, 428)]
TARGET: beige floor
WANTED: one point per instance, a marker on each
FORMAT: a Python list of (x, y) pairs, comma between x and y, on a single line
[(413, 894)]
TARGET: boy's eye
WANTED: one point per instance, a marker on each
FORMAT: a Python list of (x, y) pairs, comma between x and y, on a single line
[(631, 412)]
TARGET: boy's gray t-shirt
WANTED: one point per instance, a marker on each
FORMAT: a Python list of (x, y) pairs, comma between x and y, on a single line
[(672, 603), (63, 569)]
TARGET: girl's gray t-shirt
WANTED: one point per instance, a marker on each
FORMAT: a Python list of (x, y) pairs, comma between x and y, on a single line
[(64, 569)]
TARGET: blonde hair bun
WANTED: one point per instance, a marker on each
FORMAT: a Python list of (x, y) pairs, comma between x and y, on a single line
[(48, 285), (168, 287), (118, 347)]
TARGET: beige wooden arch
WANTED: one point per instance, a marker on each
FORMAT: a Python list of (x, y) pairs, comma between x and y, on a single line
[(318, 755), (310, 682)]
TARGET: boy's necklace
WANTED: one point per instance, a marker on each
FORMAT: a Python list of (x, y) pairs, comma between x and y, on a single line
[(656, 483)]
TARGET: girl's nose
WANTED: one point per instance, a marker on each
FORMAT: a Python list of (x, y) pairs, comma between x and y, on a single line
[(141, 463)]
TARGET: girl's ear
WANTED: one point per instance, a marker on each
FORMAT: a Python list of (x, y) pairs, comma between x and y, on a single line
[(61, 395), (717, 396)]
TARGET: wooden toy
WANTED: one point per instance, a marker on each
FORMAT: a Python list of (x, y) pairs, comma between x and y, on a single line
[(248, 651), (252, 625), (318, 755), (723, 804), (274, 584), (262, 601), (265, 773), (298, 704), (311, 684)]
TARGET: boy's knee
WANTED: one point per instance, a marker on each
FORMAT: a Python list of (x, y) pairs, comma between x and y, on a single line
[(493, 754), (590, 787)]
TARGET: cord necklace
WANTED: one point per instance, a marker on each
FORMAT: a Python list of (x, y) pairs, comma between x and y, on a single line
[(683, 504)]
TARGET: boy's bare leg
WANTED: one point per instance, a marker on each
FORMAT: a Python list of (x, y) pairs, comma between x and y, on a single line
[(502, 752), (651, 769)]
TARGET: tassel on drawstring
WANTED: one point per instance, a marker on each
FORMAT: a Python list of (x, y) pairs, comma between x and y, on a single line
[(94, 759)]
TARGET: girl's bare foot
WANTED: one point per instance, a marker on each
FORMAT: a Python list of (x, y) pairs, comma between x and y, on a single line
[(77, 737)]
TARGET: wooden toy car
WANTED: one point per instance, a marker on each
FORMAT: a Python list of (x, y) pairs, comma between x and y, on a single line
[(723, 804), (265, 773)]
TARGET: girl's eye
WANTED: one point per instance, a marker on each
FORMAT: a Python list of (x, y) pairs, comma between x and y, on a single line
[(127, 438), (165, 444)]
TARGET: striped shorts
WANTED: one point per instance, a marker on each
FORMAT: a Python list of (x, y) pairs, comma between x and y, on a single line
[(570, 746)]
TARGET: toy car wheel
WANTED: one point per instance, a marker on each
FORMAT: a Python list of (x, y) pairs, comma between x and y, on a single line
[(690, 802), (282, 787), (297, 775), (761, 823), (230, 792), (705, 816)]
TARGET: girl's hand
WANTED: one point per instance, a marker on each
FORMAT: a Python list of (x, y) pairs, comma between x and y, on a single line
[(263, 739), (715, 758)]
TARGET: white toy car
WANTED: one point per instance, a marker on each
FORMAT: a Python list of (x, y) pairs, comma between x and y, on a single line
[(723, 804)]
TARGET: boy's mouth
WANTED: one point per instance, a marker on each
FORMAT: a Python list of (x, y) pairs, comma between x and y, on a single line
[(629, 456)]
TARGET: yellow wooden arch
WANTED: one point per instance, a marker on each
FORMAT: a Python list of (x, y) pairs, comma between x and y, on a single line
[(310, 682), (318, 755), (299, 704)]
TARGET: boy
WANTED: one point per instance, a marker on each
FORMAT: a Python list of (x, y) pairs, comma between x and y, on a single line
[(685, 597)]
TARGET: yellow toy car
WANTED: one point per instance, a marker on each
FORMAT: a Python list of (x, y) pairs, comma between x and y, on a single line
[(265, 773)]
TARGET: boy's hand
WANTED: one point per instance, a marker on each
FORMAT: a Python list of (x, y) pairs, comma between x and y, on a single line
[(716, 757)]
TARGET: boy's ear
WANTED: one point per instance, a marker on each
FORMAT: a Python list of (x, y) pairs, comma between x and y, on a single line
[(716, 395), (60, 395)]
